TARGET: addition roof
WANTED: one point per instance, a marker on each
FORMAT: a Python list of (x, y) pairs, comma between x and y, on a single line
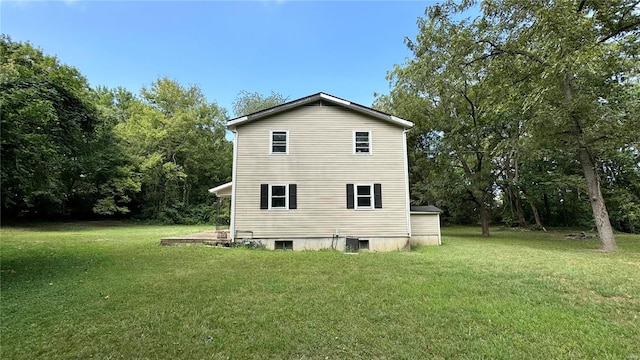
[(231, 124), (425, 209)]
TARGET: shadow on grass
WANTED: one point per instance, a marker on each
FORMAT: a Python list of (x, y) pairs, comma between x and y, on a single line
[(68, 225), (38, 268), (554, 239)]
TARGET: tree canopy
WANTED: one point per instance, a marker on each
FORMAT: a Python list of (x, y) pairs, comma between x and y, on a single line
[(59, 156), (526, 102), (73, 151)]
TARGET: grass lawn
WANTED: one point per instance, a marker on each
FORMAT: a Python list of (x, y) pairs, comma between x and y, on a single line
[(109, 291)]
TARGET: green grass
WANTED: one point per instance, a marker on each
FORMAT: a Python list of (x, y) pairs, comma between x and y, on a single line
[(109, 291)]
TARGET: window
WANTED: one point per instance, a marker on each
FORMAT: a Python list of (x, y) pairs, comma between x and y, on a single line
[(278, 196), (364, 196), (355, 244), (283, 245), (279, 142), (362, 142)]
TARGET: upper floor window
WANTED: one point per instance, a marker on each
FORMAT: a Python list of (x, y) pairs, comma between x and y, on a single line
[(279, 142), (362, 142)]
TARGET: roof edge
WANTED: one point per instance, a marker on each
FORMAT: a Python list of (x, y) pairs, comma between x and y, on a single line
[(220, 187), (233, 123), (424, 209)]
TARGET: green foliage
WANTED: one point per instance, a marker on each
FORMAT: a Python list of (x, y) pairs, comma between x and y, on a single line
[(59, 156), (69, 150), (525, 103), (458, 125), (178, 141), (108, 290), (621, 177), (579, 63)]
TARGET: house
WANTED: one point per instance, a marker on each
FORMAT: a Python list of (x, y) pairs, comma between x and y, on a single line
[(323, 172)]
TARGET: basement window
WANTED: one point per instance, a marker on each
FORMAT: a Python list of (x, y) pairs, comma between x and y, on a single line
[(284, 245), (354, 244)]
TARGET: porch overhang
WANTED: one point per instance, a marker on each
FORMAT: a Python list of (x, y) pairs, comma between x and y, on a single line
[(223, 191)]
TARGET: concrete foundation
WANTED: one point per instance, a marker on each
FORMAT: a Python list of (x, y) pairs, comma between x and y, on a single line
[(425, 239), (339, 244)]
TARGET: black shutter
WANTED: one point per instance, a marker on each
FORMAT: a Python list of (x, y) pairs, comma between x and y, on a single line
[(264, 196), (293, 196), (377, 195), (349, 196)]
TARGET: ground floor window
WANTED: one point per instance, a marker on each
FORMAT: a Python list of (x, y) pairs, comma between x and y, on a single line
[(364, 196), (278, 196)]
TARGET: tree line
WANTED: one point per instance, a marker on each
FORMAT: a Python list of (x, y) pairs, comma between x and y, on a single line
[(77, 152), (526, 112)]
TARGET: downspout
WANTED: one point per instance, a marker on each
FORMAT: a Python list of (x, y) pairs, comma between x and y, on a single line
[(232, 215), (406, 181)]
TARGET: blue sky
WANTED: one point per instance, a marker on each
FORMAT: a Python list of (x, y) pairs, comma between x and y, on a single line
[(295, 48)]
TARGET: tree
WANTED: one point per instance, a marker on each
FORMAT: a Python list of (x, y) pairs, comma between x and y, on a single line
[(116, 177), (457, 123), (573, 66), (250, 102), (178, 140), (53, 138), (581, 61)]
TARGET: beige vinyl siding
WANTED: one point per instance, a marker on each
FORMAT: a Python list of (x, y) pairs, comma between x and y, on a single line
[(425, 229), (321, 162), (425, 224)]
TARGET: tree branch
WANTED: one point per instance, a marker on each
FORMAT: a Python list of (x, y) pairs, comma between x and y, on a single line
[(498, 50), (620, 30), (483, 57)]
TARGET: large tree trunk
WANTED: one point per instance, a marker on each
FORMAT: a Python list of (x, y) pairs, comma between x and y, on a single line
[(599, 209), (600, 214)]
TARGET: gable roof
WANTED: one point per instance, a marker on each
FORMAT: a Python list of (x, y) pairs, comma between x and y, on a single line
[(231, 124)]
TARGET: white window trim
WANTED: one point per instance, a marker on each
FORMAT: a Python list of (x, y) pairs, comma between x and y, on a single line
[(355, 197), (370, 142), (271, 143), (286, 197)]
